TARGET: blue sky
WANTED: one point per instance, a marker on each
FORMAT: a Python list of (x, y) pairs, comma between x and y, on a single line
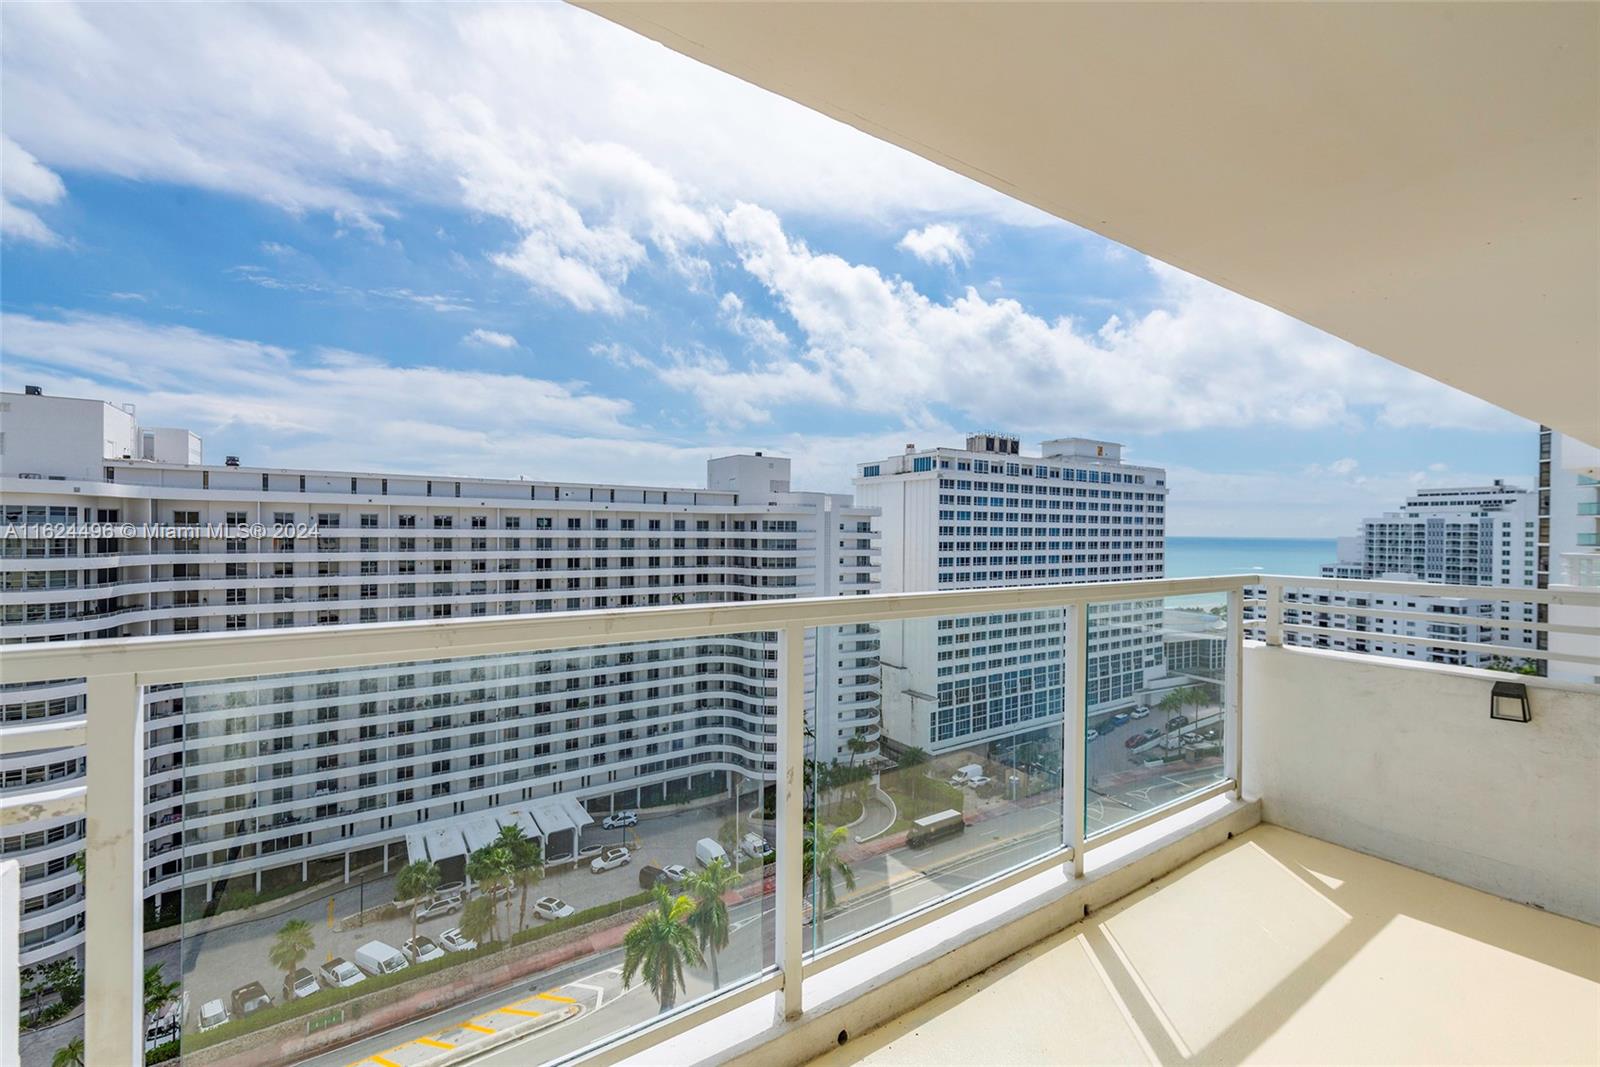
[(520, 241)]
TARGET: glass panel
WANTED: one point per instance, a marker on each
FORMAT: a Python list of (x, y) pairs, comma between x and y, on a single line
[(1155, 690), (934, 761), (384, 861)]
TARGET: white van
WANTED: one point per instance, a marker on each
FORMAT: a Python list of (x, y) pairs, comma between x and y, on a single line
[(377, 958), (707, 851), (966, 774)]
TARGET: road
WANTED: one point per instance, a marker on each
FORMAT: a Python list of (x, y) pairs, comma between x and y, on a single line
[(887, 885)]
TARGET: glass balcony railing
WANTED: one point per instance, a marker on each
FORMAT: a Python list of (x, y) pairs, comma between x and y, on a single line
[(571, 864)]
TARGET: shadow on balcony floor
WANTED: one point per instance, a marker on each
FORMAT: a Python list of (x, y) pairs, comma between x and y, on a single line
[(1275, 948)]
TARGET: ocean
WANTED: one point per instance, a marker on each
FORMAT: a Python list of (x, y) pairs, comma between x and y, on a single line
[(1195, 557)]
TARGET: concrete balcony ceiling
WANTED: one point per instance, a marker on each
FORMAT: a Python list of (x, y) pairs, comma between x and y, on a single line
[(1420, 180)]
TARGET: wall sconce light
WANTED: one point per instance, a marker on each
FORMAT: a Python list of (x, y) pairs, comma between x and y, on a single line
[(1509, 701)]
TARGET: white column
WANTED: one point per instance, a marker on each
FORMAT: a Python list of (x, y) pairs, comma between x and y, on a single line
[(791, 813), (10, 931), (347, 867), (1274, 627), (1232, 705), (1075, 723), (114, 806)]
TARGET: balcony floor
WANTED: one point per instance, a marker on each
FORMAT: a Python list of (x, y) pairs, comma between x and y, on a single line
[(1275, 948)]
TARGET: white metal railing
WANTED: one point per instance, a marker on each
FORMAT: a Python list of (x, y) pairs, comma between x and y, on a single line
[(1315, 601), (118, 670)]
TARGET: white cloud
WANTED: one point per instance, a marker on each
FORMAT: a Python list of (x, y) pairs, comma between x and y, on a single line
[(24, 178), (1203, 357), (761, 332), (490, 338), (940, 243), (288, 407), (590, 141)]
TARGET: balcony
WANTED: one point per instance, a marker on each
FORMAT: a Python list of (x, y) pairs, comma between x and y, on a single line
[(1329, 831)]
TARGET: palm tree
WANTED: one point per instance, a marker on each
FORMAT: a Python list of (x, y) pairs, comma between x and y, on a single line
[(659, 944), (69, 1055), (294, 944), (820, 862), (158, 993), (478, 920), (490, 869), (709, 919), (416, 880), (526, 865)]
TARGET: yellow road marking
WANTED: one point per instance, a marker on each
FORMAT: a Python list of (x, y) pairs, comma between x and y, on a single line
[(381, 1062), (431, 1043), (552, 996), (472, 1026), (521, 1011)]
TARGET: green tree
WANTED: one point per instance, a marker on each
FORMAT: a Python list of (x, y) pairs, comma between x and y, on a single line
[(912, 760), (293, 944), (709, 919), (478, 920), (490, 869), (526, 865), (415, 881), (820, 864), (659, 944), (69, 1055), (858, 746), (158, 992)]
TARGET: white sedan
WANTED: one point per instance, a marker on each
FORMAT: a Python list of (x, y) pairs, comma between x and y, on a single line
[(620, 819), (454, 941), (552, 908), (421, 949)]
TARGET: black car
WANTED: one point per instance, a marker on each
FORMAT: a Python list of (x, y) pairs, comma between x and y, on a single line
[(1177, 722), (649, 875), (248, 998)]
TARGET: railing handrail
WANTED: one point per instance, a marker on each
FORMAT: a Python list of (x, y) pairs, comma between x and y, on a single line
[(1561, 594), (211, 656)]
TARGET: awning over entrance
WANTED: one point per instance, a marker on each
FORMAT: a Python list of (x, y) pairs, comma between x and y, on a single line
[(549, 819)]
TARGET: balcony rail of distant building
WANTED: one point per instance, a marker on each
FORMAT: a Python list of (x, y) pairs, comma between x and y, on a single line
[(118, 670)]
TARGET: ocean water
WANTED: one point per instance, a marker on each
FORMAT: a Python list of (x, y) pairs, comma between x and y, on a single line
[(1195, 557)]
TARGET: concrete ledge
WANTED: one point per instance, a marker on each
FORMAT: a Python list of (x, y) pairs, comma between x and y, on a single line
[(886, 981)]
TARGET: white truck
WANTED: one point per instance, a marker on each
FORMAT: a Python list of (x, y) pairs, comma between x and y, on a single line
[(377, 958), (966, 774), (707, 851)]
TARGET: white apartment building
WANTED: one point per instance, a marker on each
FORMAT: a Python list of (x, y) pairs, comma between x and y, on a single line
[(1470, 535), (281, 778), (985, 515), (1569, 545)]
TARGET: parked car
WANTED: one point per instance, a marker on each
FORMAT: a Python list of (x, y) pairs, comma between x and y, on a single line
[(1192, 737), (447, 889), (1135, 740), (212, 1015), (619, 820), (421, 949), (376, 957), (1090, 735), (552, 908), (965, 774), (250, 998), (453, 941), (649, 875), (589, 852), (340, 973), (978, 781), (675, 873), (299, 983), (1119, 718), (1177, 721), (753, 845), (610, 858), (707, 851), (166, 1025), (1141, 712), (439, 906)]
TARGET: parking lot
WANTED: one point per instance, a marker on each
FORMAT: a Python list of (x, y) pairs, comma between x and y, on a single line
[(213, 964)]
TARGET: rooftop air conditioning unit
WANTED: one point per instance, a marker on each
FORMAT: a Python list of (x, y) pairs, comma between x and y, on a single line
[(32, 390), (231, 461)]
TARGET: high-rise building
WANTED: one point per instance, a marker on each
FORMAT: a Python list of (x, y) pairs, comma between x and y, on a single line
[(1569, 547), (1471, 535), (117, 530), (986, 515)]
